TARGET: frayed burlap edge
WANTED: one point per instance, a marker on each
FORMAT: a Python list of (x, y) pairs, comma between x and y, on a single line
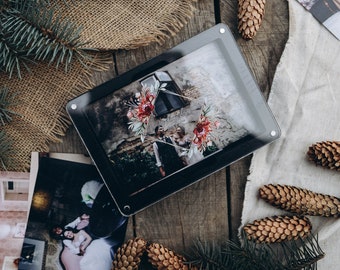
[(171, 25), (131, 28)]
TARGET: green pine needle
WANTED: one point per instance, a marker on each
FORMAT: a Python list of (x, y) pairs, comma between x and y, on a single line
[(301, 254), (12, 58), (6, 101), (5, 150), (32, 31)]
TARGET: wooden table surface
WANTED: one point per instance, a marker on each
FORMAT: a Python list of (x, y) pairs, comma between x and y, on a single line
[(209, 210)]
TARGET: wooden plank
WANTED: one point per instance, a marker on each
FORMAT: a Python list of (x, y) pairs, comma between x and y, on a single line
[(262, 55), (264, 51), (199, 211)]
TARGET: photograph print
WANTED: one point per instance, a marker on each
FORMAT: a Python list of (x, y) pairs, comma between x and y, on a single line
[(172, 118), (73, 223), (326, 12)]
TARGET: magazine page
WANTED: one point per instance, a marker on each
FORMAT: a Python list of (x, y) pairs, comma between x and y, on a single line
[(326, 12), (15, 193), (73, 222)]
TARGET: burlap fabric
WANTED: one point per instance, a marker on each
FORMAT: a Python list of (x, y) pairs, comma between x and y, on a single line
[(128, 24), (41, 99), (107, 25)]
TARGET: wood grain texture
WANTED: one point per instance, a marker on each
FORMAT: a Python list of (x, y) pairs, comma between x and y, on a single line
[(262, 54), (197, 212)]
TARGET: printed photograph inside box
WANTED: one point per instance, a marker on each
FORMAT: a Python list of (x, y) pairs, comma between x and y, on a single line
[(172, 118), (73, 222)]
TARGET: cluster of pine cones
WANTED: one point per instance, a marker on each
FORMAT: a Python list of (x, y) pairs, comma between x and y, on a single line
[(130, 254), (296, 200), (301, 202)]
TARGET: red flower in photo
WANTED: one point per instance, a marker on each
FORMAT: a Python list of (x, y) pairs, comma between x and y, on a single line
[(145, 107), (204, 128), (141, 108)]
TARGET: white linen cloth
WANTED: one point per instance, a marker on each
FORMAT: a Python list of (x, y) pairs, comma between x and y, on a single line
[(305, 99)]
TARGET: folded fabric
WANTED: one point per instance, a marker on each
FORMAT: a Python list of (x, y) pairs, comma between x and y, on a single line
[(304, 98)]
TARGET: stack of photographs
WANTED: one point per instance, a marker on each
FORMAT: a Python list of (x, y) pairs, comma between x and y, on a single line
[(73, 223)]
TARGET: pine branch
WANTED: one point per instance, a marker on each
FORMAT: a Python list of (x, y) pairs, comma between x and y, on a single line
[(302, 254), (3, 4), (5, 150), (6, 101), (209, 256), (293, 255), (31, 30), (12, 57), (250, 255)]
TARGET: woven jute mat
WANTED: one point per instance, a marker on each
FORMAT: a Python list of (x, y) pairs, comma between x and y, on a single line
[(128, 24), (107, 25), (40, 111)]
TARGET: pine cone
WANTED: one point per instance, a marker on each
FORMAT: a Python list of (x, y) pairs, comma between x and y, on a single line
[(164, 259), (128, 256), (250, 15), (325, 154), (278, 228), (300, 201)]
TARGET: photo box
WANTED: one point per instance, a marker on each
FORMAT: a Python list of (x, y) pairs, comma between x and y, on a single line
[(173, 120)]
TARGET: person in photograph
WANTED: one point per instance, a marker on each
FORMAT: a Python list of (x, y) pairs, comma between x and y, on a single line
[(167, 158), (76, 240), (78, 252), (188, 154), (79, 223), (183, 141)]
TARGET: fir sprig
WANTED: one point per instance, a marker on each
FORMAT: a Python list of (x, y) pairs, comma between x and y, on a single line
[(301, 254), (209, 256), (7, 100), (12, 57), (5, 150), (32, 30)]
